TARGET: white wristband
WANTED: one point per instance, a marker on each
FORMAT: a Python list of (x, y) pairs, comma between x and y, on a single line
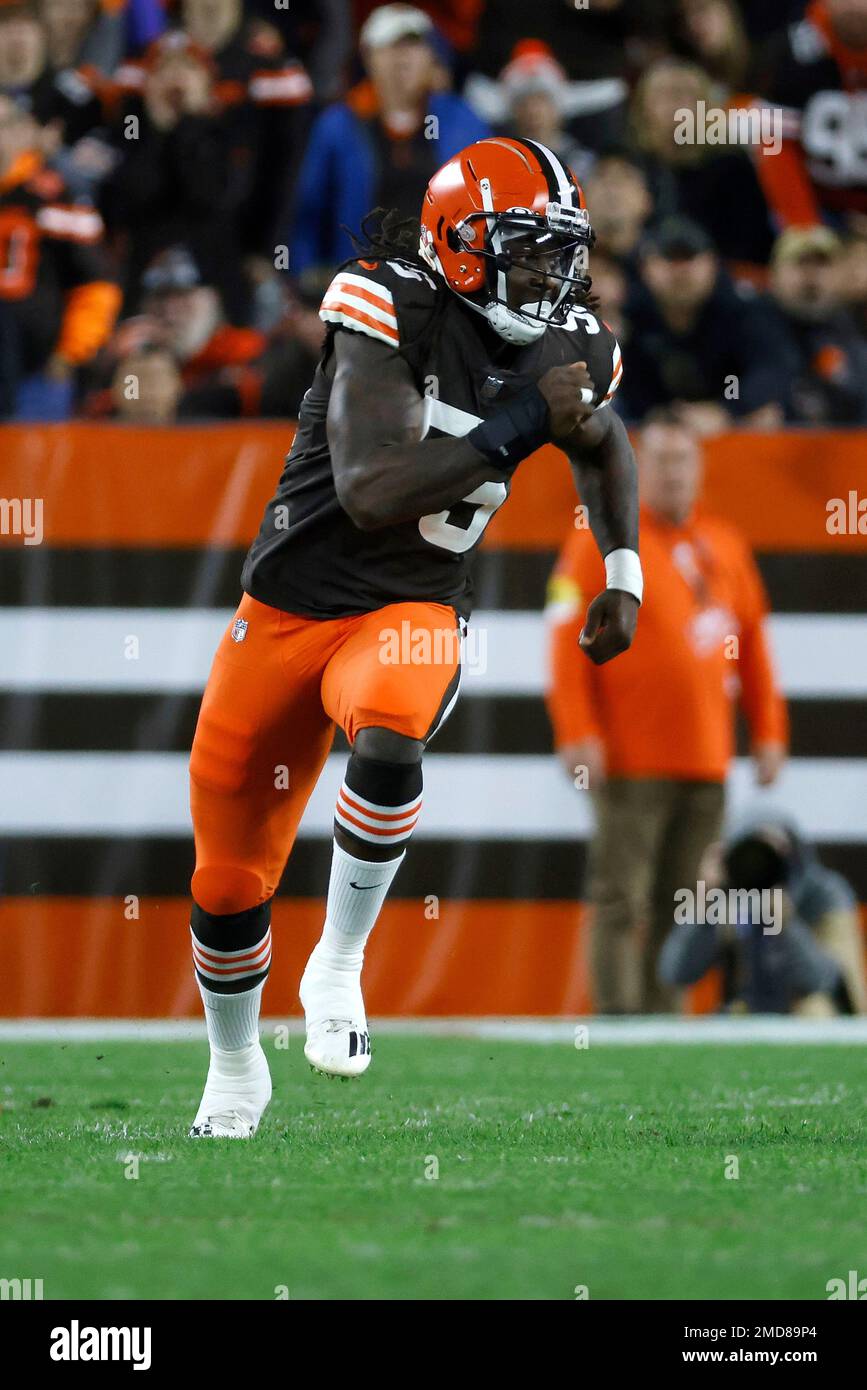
[(623, 571)]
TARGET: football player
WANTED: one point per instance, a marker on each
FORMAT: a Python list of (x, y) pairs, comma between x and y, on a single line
[(452, 354)]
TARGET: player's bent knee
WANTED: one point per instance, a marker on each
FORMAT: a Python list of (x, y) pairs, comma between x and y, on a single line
[(222, 889), (386, 746)]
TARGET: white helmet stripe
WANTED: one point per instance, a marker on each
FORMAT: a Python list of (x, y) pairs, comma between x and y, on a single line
[(555, 171)]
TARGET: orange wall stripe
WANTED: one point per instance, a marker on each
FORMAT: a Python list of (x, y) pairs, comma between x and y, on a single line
[(106, 484), (774, 487), (109, 485), (68, 957), (81, 957)]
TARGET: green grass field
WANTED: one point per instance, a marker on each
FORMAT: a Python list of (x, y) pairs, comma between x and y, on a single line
[(557, 1168)]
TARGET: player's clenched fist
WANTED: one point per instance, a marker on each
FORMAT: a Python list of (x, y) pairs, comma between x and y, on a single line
[(609, 626), (571, 397)]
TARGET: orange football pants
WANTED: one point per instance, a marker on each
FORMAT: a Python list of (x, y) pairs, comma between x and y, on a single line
[(278, 687)]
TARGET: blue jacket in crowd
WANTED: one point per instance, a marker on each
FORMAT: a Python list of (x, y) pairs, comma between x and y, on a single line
[(336, 184)]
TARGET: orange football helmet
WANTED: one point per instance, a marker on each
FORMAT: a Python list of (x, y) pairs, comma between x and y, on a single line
[(497, 200)]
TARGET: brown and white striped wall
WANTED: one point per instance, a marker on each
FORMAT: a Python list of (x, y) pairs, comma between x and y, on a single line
[(143, 537)]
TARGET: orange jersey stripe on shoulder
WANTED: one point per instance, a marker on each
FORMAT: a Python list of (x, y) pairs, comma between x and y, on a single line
[(381, 301), (351, 311)]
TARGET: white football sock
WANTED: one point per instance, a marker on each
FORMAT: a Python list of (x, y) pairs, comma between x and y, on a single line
[(232, 1019), (356, 892)]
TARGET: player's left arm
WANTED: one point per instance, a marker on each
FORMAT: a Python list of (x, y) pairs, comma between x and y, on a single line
[(603, 466)]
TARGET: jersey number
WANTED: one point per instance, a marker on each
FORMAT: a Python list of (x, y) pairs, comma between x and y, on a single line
[(19, 253), (835, 137), (576, 316), (461, 527)]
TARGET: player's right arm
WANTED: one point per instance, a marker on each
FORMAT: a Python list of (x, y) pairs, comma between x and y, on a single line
[(384, 472)]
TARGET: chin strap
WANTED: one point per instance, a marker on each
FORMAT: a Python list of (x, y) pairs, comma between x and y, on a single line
[(513, 326)]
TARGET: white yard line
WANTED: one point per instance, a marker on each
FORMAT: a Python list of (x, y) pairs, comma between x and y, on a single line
[(631, 1031)]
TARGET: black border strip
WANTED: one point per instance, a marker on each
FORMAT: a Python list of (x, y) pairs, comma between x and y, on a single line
[(77, 722), (797, 581), (512, 869)]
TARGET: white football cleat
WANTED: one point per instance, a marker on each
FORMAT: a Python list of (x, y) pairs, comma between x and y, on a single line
[(338, 1042), (228, 1125), (236, 1093)]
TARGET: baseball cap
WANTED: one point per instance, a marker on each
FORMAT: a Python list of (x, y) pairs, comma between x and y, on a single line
[(677, 239), (390, 23), (174, 269), (796, 242)]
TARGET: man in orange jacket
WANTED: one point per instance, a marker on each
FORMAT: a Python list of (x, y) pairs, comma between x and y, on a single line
[(652, 735)]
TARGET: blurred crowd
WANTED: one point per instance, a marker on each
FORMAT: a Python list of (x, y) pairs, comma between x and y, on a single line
[(179, 178)]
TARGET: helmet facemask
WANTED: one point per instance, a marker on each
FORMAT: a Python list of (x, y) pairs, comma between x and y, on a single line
[(516, 240)]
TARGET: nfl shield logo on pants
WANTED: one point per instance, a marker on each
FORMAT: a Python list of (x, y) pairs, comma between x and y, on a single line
[(239, 629)]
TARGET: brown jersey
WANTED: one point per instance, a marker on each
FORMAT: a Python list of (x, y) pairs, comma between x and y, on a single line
[(309, 557)]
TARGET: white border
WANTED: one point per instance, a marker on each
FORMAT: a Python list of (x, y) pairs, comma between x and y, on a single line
[(609, 1031)]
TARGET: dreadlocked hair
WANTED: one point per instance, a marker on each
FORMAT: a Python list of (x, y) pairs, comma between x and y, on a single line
[(388, 236), (386, 233)]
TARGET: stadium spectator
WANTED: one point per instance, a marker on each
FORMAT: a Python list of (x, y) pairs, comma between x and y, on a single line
[(67, 104), (217, 360), (715, 185), (146, 387), (294, 347), (264, 95), (64, 100), (815, 70), (610, 284), (535, 89), (712, 32), (619, 198), (175, 181), (224, 372), (383, 144), (811, 961), (458, 20), (320, 32), (61, 301), (84, 34), (652, 734), (828, 373), (696, 341), (189, 318), (593, 46)]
